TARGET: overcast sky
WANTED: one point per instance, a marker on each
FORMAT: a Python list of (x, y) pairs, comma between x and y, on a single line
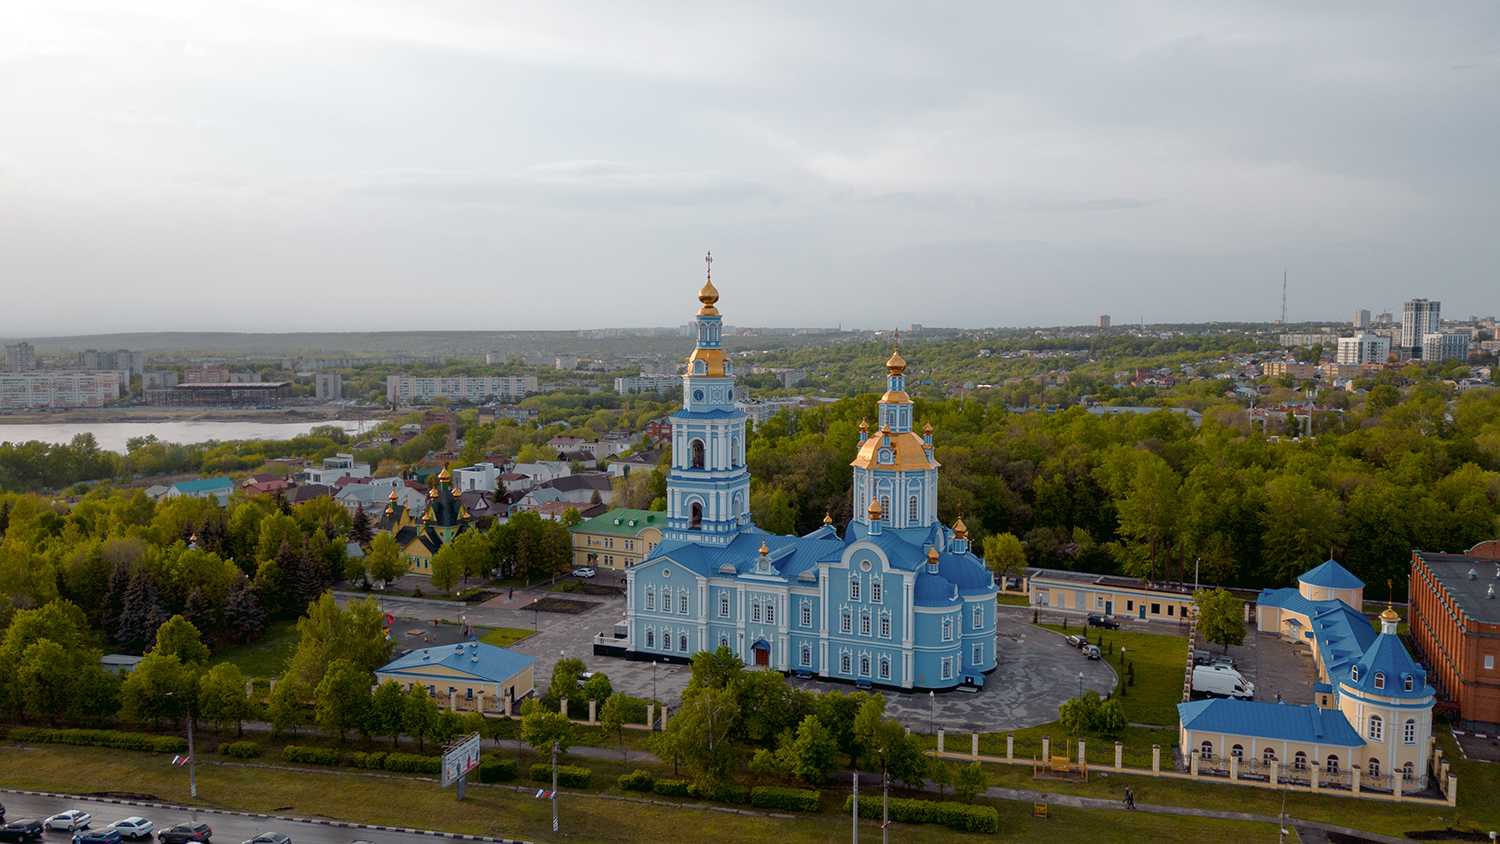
[(373, 165)]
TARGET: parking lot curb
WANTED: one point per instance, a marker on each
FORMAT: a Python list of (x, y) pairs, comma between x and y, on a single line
[(117, 801)]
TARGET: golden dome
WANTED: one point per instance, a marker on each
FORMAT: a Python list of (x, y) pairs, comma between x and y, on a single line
[(875, 512), (895, 397), (763, 549), (445, 476), (392, 496), (960, 530), (927, 429), (714, 361), (827, 518), (932, 555), (1390, 615), (908, 453), (896, 364), (432, 492), (864, 425)]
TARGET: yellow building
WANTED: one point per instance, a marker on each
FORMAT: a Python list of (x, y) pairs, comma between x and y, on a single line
[(420, 536), (468, 677), (618, 539), (1108, 595)]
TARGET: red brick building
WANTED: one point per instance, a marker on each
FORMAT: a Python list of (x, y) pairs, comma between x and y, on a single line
[(1455, 624)]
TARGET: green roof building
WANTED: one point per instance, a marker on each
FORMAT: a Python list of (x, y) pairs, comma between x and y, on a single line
[(618, 539)]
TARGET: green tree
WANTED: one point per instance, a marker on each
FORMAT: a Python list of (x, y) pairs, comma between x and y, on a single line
[(159, 688), (612, 720), (941, 774), (383, 562), (285, 709), (1004, 555), (705, 724), (45, 680), (716, 669), (969, 782), (598, 688), (277, 530), (1149, 512), (447, 568), (565, 676), (1301, 522), (1221, 617), (541, 727), (328, 632), (221, 697), (1077, 715), (342, 698), (812, 752), (419, 715), (178, 637), (387, 711)]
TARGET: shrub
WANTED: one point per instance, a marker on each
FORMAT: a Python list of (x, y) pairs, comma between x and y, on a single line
[(114, 739), (959, 816), (411, 763), (571, 776), (310, 755), (497, 770), (672, 788), (790, 799), (240, 749), (374, 760), (726, 792), (637, 780)]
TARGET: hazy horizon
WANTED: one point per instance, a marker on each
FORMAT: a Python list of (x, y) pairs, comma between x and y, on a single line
[(281, 167)]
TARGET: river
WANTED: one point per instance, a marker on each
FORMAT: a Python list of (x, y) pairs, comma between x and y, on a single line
[(112, 435)]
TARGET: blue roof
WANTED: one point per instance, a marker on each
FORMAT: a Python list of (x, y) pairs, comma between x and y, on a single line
[(715, 413), (1287, 599), (1388, 658), (1331, 575), (933, 590), (476, 658), (1342, 634), (1260, 719), (203, 484)]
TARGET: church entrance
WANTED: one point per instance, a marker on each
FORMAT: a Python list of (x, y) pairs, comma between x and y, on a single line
[(762, 651)]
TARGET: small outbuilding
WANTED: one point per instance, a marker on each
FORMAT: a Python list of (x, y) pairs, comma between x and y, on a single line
[(467, 677)]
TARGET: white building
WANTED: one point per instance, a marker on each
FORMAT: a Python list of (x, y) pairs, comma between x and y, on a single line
[(1363, 348), (57, 389), (414, 389), (480, 476), (375, 493), (334, 468), (328, 386), (20, 357), (643, 383), (1445, 345), (1419, 317), (1361, 319)]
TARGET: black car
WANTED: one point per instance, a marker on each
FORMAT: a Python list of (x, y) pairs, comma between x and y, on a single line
[(2, 813), (185, 833), (97, 836), (29, 829), (271, 838), (1103, 621)]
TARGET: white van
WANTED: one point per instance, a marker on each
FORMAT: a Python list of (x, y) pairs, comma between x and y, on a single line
[(1221, 681)]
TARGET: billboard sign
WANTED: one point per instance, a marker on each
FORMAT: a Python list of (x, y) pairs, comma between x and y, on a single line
[(460, 758)]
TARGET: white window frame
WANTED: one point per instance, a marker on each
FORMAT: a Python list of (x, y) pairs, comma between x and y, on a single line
[(755, 611), (947, 668), (885, 667), (864, 665), (854, 589), (877, 590), (723, 605), (666, 640), (806, 613), (682, 642), (682, 601), (911, 510), (885, 625), (650, 599), (1409, 731), (846, 662), (864, 622), (1379, 679), (1375, 730), (977, 652), (846, 621), (977, 616), (948, 628), (651, 638), (771, 611)]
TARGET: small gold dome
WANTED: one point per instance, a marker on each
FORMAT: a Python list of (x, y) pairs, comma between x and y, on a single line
[(927, 429), (1390, 615), (827, 518), (960, 530), (432, 492), (896, 364), (392, 496), (763, 549), (932, 555), (864, 425), (446, 475), (875, 511)]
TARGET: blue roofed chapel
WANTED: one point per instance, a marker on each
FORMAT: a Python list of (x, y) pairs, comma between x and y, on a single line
[(896, 599)]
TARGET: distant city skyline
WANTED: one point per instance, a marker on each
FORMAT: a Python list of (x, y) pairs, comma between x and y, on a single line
[(279, 166)]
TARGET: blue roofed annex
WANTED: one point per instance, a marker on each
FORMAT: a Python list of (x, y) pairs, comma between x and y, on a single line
[(1278, 721), (1332, 575)]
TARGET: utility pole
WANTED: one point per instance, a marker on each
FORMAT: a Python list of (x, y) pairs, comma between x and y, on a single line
[(554, 785), (885, 803), (192, 762), (856, 807)]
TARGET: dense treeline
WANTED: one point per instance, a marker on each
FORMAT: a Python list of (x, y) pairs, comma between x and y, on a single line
[(1150, 495)]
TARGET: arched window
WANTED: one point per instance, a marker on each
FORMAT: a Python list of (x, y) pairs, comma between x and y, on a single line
[(807, 654), (723, 604), (1299, 761), (1407, 684), (911, 509), (1206, 750), (844, 663), (697, 451), (1354, 673), (1374, 767), (1269, 756), (885, 508), (1376, 731), (1408, 771), (666, 640), (695, 516), (1409, 732), (948, 629), (650, 598), (682, 642), (1237, 752), (682, 602), (1379, 679), (650, 638), (854, 587), (864, 665), (1332, 764), (885, 668)]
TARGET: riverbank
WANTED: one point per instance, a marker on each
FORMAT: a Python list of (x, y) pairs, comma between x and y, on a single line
[(106, 415)]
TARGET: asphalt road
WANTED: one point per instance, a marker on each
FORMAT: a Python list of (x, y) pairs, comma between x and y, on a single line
[(228, 828)]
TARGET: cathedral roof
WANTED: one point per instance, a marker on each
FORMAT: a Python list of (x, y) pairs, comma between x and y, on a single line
[(908, 453), (1389, 658)]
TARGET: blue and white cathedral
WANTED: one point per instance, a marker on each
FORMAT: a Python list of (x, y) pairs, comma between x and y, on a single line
[(897, 600)]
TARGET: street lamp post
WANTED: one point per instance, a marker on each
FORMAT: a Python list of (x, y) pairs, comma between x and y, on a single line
[(855, 802), (1080, 684), (885, 802), (192, 762), (554, 785), (931, 712), (653, 681)]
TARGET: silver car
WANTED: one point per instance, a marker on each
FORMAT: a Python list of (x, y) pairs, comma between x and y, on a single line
[(133, 827), (70, 821)]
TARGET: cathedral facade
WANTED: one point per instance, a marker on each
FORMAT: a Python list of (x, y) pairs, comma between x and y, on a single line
[(896, 599)]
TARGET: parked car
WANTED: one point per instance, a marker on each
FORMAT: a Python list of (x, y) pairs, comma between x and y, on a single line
[(185, 833), (26, 829), (1202, 657), (1223, 659), (1221, 681), (1091, 651), (585, 571), (2, 813), (132, 827), (97, 836), (1103, 621), (1077, 641), (70, 821), (271, 838)]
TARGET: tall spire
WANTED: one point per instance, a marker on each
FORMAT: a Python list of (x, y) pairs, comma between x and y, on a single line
[(708, 294)]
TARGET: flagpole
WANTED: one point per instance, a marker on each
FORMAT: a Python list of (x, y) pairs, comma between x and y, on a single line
[(192, 762)]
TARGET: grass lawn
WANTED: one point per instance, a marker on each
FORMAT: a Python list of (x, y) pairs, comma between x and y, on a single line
[(266, 656), (1014, 600), (1158, 662), (504, 637), (511, 811)]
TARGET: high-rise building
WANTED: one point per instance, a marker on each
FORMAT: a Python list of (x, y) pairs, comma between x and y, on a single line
[(58, 389), (328, 386), (1361, 319), (1419, 317), (1445, 345), (19, 357), (1363, 348), (414, 389), (1104, 320)]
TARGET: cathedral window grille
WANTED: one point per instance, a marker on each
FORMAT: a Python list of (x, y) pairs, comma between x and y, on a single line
[(864, 623), (846, 622), (885, 625), (755, 611), (876, 588), (885, 668), (947, 668), (771, 611), (806, 614), (885, 508), (844, 663), (666, 640), (723, 605), (1377, 728), (947, 629), (864, 665), (911, 510), (806, 655), (1409, 732), (854, 587)]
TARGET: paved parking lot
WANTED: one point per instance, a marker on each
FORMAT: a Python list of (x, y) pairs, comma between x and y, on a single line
[(1275, 666)]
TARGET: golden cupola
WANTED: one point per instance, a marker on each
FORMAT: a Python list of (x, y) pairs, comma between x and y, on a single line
[(445, 476), (895, 364)]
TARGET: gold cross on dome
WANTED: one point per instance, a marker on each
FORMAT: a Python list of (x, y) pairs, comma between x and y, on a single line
[(708, 264)]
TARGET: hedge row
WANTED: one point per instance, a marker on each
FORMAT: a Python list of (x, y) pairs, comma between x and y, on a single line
[(497, 770), (571, 776), (240, 749), (310, 755), (723, 793), (637, 780), (114, 739), (960, 816), (790, 799), (672, 788)]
